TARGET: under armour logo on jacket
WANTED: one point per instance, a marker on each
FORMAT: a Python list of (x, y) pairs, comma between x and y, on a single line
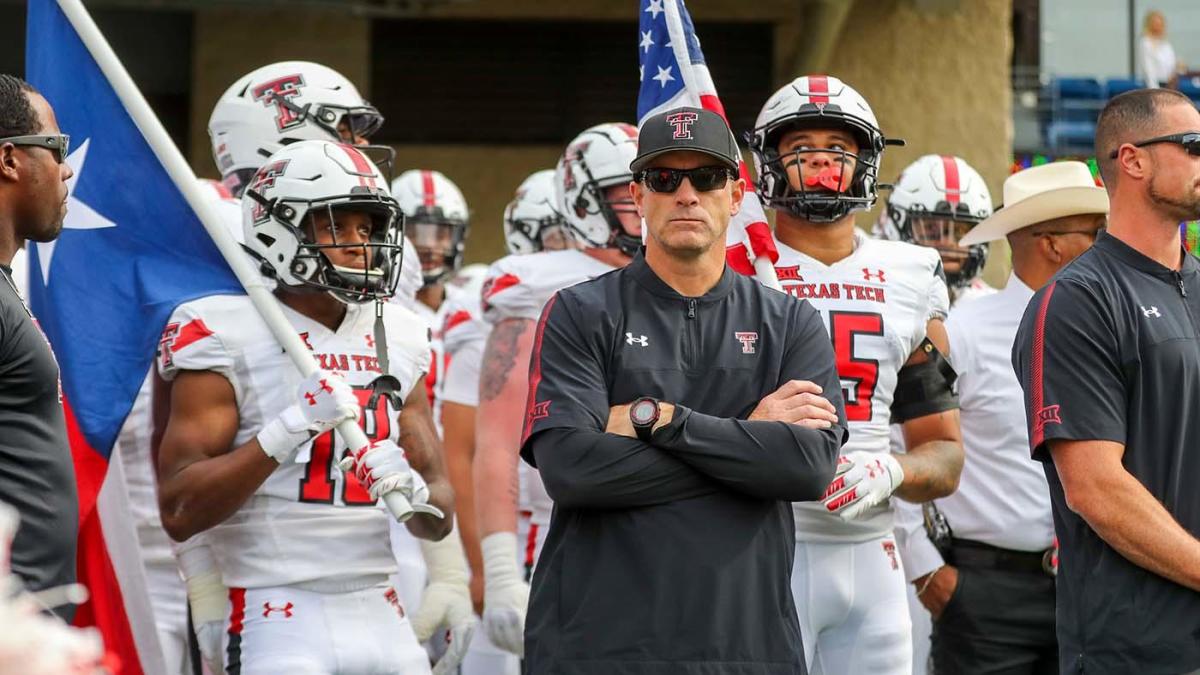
[(1153, 311), (877, 275), (640, 340)]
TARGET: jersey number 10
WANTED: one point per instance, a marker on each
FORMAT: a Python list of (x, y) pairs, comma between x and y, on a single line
[(317, 485)]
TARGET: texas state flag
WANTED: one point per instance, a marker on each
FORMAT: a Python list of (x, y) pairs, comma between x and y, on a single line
[(131, 250)]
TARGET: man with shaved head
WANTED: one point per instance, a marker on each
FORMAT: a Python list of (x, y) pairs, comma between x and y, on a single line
[(1108, 355)]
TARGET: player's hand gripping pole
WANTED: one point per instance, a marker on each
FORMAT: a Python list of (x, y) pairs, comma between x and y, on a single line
[(184, 179)]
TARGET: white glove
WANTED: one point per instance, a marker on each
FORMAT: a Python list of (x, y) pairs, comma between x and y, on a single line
[(446, 600), (863, 480), (505, 593), (323, 400), (381, 467)]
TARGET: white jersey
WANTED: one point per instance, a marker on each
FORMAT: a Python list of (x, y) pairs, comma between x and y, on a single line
[(977, 288), (308, 521), (517, 287), (463, 334), (875, 303)]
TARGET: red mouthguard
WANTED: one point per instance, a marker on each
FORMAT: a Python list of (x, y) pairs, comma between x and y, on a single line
[(829, 178)]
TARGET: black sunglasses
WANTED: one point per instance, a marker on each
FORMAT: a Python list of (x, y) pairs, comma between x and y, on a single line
[(1190, 141), (55, 143), (703, 178)]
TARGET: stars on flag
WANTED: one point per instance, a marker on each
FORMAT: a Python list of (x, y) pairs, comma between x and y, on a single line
[(647, 42), (80, 216), (663, 76), (655, 8)]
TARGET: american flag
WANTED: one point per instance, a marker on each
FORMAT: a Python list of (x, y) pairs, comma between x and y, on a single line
[(673, 73)]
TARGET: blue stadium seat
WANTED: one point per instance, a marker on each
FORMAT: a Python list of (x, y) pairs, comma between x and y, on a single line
[(1120, 85), (1087, 88), (1065, 135), (1189, 87), (1076, 99)]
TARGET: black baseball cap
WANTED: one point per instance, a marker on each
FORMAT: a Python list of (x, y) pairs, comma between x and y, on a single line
[(685, 128)]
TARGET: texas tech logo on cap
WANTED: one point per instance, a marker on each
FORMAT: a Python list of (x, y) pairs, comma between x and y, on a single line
[(682, 121), (275, 93)]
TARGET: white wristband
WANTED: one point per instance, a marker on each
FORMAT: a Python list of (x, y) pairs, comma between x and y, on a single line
[(207, 596), (446, 560), (500, 557)]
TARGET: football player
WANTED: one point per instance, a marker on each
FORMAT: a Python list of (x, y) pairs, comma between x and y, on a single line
[(437, 220), (532, 223), (936, 201), (817, 148), (258, 114), (248, 452), (592, 188)]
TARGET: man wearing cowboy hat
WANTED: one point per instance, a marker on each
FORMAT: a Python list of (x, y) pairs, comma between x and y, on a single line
[(1108, 354), (988, 579)]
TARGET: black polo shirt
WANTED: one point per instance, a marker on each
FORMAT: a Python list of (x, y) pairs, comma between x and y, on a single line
[(37, 475), (1109, 350), (672, 557)]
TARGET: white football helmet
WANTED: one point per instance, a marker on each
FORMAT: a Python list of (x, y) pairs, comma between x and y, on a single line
[(280, 104), (596, 159), (308, 177), (935, 202), (817, 102), (532, 217), (227, 205), (437, 220)]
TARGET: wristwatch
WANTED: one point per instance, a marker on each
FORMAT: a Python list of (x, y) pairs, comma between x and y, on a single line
[(643, 414)]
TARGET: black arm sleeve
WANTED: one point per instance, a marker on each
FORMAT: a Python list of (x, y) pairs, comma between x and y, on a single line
[(581, 465), (769, 460), (582, 468)]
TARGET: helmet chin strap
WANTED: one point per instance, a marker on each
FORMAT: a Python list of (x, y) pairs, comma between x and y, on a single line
[(386, 385)]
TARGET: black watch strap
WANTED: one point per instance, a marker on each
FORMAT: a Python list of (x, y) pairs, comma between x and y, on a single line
[(643, 415)]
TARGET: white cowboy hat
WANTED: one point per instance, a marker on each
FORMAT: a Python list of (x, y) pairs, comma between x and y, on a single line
[(1038, 194)]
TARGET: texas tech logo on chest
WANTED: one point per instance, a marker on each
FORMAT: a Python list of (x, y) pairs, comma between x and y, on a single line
[(276, 93), (748, 338)]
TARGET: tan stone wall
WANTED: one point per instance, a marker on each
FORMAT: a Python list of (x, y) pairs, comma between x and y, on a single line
[(229, 43), (940, 80), (488, 177)]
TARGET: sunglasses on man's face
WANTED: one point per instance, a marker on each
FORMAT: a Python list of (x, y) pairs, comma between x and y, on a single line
[(1190, 141), (703, 179), (56, 143)]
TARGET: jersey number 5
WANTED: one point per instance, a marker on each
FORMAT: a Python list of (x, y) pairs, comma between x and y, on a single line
[(317, 483), (861, 373)]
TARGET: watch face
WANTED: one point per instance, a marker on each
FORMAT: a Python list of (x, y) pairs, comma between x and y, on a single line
[(643, 412)]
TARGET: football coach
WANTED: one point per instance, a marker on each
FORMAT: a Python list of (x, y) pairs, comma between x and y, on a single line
[(1109, 357), (675, 410)]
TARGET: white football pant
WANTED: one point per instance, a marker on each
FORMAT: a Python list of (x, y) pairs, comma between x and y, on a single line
[(852, 606), (285, 629)]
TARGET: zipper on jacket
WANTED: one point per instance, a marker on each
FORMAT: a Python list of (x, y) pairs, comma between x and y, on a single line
[(689, 335), (1179, 282)]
